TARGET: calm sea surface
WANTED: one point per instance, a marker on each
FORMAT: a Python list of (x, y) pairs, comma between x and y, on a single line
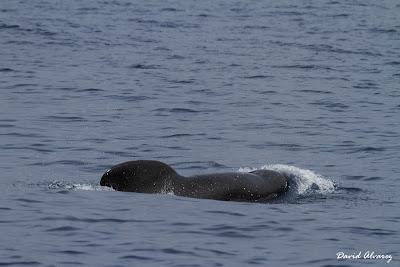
[(309, 88)]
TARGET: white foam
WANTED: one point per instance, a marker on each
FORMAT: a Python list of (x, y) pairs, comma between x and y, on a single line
[(167, 189), (69, 186), (302, 180), (90, 187)]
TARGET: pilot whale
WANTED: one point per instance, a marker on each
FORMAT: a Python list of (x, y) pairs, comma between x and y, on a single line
[(150, 176)]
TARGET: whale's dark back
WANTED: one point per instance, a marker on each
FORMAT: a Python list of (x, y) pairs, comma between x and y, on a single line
[(149, 176), (146, 176)]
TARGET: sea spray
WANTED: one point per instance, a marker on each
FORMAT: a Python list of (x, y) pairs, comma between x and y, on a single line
[(301, 180)]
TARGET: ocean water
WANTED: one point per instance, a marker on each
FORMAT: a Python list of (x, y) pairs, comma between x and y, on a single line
[(308, 88)]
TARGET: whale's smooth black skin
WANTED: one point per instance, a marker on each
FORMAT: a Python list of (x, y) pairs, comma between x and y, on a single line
[(149, 176)]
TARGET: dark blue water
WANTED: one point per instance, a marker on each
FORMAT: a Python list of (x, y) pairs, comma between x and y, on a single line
[(309, 88)]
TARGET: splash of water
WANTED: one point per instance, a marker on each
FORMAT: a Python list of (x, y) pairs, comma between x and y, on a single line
[(167, 188), (60, 185), (301, 180), (90, 187)]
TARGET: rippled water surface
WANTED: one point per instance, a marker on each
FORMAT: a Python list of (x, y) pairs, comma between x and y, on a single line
[(308, 88)]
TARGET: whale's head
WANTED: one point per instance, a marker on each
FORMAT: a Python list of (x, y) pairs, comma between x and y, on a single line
[(144, 176)]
